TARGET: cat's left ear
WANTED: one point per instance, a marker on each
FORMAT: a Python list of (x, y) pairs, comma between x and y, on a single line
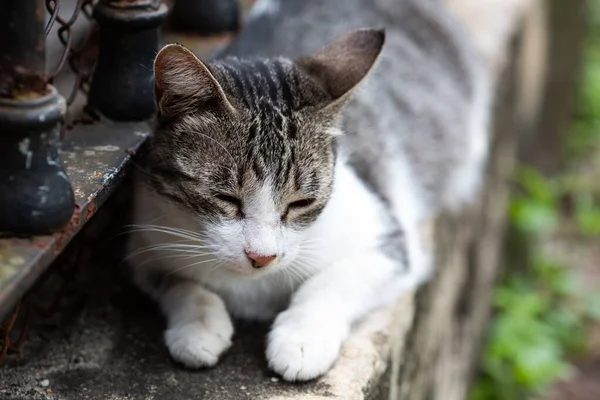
[(184, 84), (342, 65)]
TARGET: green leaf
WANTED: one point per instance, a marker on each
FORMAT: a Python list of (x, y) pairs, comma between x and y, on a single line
[(537, 186), (533, 217)]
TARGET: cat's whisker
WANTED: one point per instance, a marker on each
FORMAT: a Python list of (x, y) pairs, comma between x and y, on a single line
[(179, 245), (312, 240), (170, 248), (166, 257), (163, 231), (305, 266), (311, 243), (310, 251), (192, 265), (218, 266), (296, 274), (314, 245), (290, 280), (171, 251), (307, 257), (166, 229), (285, 275)]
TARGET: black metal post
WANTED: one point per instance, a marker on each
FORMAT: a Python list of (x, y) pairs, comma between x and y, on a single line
[(206, 17), (35, 194), (122, 86)]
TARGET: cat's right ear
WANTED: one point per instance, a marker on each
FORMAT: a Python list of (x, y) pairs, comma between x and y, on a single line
[(344, 63), (183, 84)]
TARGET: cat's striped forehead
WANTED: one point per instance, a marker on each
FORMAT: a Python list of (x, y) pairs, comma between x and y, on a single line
[(268, 85), (279, 142)]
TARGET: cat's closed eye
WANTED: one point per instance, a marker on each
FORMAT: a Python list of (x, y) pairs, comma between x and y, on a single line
[(298, 205), (231, 201)]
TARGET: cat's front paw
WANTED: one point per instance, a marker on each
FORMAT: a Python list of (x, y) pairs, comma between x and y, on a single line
[(195, 345), (300, 349)]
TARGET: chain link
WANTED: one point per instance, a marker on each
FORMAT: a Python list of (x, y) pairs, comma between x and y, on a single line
[(80, 56)]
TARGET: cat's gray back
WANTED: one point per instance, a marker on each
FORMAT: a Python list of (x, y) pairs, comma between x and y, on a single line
[(424, 101)]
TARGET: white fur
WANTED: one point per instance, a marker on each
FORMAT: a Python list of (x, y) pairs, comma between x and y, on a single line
[(199, 328), (413, 214), (334, 272), (261, 228)]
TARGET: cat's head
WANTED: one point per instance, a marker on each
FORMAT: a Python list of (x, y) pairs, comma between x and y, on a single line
[(246, 148)]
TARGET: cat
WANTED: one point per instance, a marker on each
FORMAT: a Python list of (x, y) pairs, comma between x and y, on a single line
[(290, 177)]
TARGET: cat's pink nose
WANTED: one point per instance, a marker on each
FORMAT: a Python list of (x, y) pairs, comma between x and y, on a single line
[(258, 260)]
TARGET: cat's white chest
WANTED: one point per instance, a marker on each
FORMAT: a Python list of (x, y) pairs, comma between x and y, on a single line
[(256, 299)]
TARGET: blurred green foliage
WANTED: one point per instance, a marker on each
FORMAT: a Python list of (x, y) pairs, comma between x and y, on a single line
[(543, 310)]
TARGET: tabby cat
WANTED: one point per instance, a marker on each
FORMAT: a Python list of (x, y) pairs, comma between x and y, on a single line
[(290, 183)]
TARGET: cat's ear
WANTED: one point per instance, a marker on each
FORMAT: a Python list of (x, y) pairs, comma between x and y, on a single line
[(184, 84), (341, 65)]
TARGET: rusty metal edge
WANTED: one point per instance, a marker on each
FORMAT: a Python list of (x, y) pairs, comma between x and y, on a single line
[(50, 247)]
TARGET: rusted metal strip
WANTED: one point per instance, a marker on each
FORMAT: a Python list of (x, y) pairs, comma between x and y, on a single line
[(96, 158)]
